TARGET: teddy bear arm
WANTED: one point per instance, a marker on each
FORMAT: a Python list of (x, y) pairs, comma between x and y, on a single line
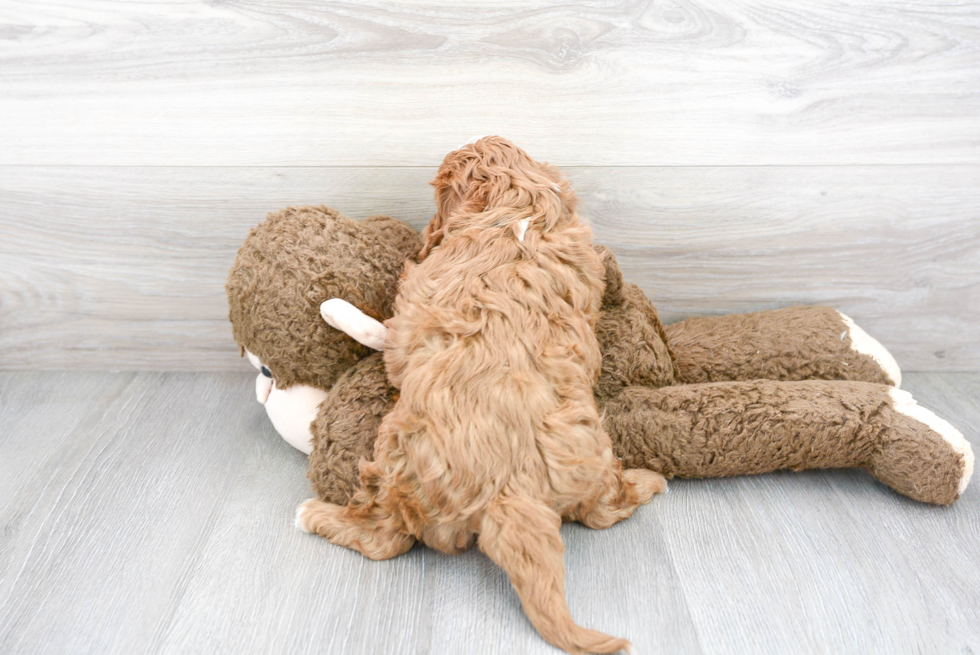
[(631, 337), (612, 276), (343, 316), (796, 343), (738, 428), (346, 428), (633, 349)]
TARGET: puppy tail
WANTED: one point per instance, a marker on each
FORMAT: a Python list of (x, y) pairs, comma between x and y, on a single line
[(523, 537)]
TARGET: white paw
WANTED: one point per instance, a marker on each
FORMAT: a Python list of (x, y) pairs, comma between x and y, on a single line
[(341, 315), (904, 403), (300, 520), (865, 344), (333, 310)]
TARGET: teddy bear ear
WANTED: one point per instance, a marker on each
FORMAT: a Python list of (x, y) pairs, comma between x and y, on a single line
[(614, 277), (397, 234)]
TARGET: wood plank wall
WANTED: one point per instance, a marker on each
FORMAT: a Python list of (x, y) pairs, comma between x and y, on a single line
[(736, 155)]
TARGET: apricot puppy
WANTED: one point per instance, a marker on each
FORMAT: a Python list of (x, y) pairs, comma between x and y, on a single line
[(495, 437)]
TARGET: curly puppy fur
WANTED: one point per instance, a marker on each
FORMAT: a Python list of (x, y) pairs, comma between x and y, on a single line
[(288, 266), (495, 436)]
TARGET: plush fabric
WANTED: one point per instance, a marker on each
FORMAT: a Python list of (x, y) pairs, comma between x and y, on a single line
[(795, 343), (706, 397), (763, 425), (346, 427), (293, 261)]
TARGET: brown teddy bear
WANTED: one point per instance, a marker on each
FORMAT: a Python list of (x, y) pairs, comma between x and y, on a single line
[(796, 388)]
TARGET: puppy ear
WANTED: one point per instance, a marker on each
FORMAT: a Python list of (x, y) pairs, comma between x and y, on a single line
[(431, 236), (454, 188), (447, 197)]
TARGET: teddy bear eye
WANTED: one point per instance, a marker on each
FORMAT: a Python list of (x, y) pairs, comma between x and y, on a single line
[(266, 372)]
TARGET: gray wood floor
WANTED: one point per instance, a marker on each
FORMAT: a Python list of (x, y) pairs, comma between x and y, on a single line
[(151, 512)]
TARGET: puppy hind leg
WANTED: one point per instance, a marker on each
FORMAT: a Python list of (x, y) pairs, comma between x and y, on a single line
[(627, 490), (523, 538), (647, 483), (363, 527)]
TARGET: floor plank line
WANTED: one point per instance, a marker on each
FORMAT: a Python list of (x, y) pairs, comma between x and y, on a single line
[(169, 500)]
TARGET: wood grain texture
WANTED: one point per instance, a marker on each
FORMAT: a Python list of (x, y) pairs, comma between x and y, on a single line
[(152, 512), (101, 539), (121, 268), (832, 561), (705, 82), (163, 523)]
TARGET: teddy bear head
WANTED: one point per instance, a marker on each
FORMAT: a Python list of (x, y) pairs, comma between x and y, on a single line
[(292, 262)]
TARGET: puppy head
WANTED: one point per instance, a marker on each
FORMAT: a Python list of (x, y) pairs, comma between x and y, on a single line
[(494, 174)]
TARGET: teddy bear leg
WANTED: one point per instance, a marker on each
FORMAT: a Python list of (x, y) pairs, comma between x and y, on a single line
[(346, 427), (920, 454), (341, 315), (737, 428), (796, 343)]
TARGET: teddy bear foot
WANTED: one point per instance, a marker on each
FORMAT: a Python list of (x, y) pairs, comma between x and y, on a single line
[(865, 344), (946, 458), (721, 429)]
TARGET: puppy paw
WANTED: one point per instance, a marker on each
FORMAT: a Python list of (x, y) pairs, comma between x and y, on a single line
[(303, 513), (647, 483)]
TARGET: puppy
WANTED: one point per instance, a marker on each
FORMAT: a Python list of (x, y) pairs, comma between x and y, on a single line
[(495, 437)]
